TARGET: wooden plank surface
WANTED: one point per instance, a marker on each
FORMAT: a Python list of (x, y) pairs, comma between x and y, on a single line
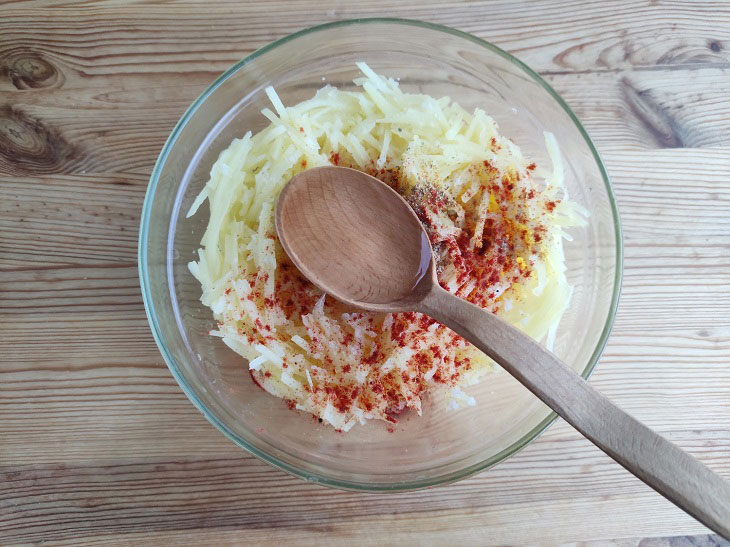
[(97, 442)]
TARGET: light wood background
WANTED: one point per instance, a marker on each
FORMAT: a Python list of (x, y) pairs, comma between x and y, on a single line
[(97, 442)]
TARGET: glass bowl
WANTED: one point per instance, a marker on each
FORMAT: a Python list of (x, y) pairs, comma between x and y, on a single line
[(442, 445)]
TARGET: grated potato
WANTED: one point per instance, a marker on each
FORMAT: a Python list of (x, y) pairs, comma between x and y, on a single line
[(463, 179)]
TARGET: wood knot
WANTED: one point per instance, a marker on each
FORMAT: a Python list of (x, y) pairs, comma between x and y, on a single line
[(28, 146), (28, 70), (661, 125)]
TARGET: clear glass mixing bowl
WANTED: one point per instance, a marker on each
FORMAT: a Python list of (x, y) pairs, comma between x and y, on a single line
[(442, 445)]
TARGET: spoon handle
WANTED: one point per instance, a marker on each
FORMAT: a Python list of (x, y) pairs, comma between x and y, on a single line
[(659, 463)]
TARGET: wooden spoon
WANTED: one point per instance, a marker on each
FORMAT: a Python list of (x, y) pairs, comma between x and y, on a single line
[(358, 240)]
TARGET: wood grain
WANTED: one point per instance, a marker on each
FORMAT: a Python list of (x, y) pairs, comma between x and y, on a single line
[(97, 442), (44, 223), (127, 127), (550, 36)]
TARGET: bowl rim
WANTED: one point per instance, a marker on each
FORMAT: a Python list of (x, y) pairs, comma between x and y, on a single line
[(272, 460)]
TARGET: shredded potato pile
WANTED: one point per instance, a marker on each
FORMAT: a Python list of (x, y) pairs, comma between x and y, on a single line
[(496, 222)]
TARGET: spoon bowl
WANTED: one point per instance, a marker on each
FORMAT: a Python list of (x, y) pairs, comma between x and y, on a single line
[(380, 269)]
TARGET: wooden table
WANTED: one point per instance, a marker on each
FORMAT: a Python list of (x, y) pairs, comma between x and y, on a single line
[(98, 443)]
